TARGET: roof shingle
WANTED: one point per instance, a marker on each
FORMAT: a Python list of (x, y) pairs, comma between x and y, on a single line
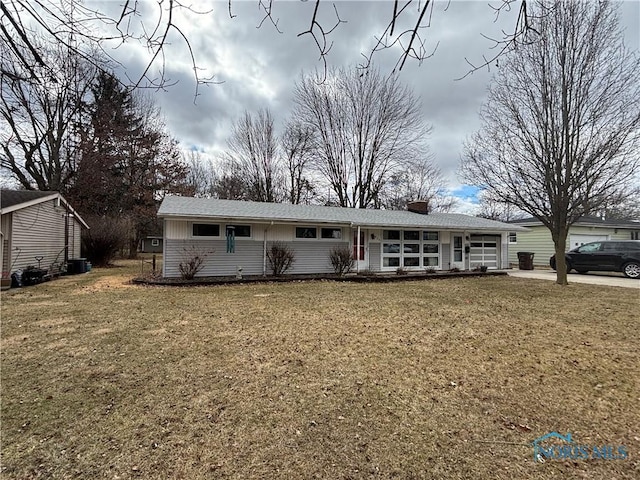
[(9, 198), (258, 211)]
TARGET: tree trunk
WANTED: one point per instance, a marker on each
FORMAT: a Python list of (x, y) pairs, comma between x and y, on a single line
[(133, 247), (560, 242)]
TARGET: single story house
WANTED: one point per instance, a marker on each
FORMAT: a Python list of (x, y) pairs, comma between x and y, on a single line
[(537, 237), (151, 244), (39, 229), (382, 240)]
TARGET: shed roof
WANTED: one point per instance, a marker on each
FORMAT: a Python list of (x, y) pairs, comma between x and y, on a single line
[(199, 208), (12, 200), (9, 198)]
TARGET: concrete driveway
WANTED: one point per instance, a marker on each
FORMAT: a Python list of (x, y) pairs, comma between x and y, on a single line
[(603, 278)]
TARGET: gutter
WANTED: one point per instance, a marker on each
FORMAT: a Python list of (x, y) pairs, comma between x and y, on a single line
[(264, 249)]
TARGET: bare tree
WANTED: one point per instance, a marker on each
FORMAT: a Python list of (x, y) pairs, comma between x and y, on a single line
[(253, 150), (420, 179), (561, 126), (201, 177), (297, 147), (495, 209), (231, 184), (626, 207), (80, 28), (39, 116), (366, 127)]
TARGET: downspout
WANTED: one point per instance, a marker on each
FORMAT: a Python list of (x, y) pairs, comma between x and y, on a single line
[(264, 250), (358, 252), (66, 234)]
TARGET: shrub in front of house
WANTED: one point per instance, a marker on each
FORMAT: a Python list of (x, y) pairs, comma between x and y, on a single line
[(341, 259), (192, 262), (280, 258)]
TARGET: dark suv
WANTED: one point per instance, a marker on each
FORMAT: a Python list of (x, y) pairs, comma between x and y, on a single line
[(606, 256)]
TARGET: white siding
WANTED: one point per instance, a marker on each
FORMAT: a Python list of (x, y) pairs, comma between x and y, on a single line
[(375, 256), (445, 256), (39, 230), (176, 230), (310, 257), (248, 255), (504, 260)]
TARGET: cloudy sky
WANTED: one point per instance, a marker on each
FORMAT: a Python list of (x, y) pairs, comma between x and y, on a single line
[(258, 67)]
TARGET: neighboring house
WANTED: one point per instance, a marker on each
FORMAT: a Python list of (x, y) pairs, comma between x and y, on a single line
[(39, 229), (537, 238), (151, 244), (382, 240)]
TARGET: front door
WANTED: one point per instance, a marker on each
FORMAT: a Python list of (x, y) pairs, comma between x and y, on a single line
[(360, 250), (457, 251)]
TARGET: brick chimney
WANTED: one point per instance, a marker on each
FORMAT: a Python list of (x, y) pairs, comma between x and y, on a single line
[(419, 206)]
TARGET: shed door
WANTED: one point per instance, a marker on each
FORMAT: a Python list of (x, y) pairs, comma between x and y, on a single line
[(485, 250)]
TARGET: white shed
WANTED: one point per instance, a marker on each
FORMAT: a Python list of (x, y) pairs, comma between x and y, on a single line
[(39, 229)]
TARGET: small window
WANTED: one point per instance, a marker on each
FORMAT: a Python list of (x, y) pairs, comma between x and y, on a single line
[(411, 261), (635, 235), (391, 234), (431, 261), (331, 233), (411, 235), (306, 232), (240, 230), (430, 248), (390, 248), (206, 230), (155, 242), (513, 237), (411, 248), (430, 236), (391, 262)]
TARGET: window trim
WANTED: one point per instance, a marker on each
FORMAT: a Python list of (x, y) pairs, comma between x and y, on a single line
[(309, 227), (155, 242), (330, 239), (402, 255), (236, 225), (512, 238), (204, 236)]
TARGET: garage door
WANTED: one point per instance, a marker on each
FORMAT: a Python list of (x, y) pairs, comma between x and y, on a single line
[(485, 250), (577, 240)]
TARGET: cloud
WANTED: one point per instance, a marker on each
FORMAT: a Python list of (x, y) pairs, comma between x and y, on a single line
[(259, 66)]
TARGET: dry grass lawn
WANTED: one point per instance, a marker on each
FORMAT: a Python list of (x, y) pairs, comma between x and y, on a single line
[(431, 379)]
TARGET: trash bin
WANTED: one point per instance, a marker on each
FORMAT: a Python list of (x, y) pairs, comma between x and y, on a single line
[(525, 260)]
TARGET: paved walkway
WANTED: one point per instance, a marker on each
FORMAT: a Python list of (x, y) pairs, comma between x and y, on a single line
[(604, 278)]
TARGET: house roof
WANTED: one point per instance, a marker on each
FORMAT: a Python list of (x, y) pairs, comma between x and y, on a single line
[(12, 200), (198, 208), (586, 221)]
